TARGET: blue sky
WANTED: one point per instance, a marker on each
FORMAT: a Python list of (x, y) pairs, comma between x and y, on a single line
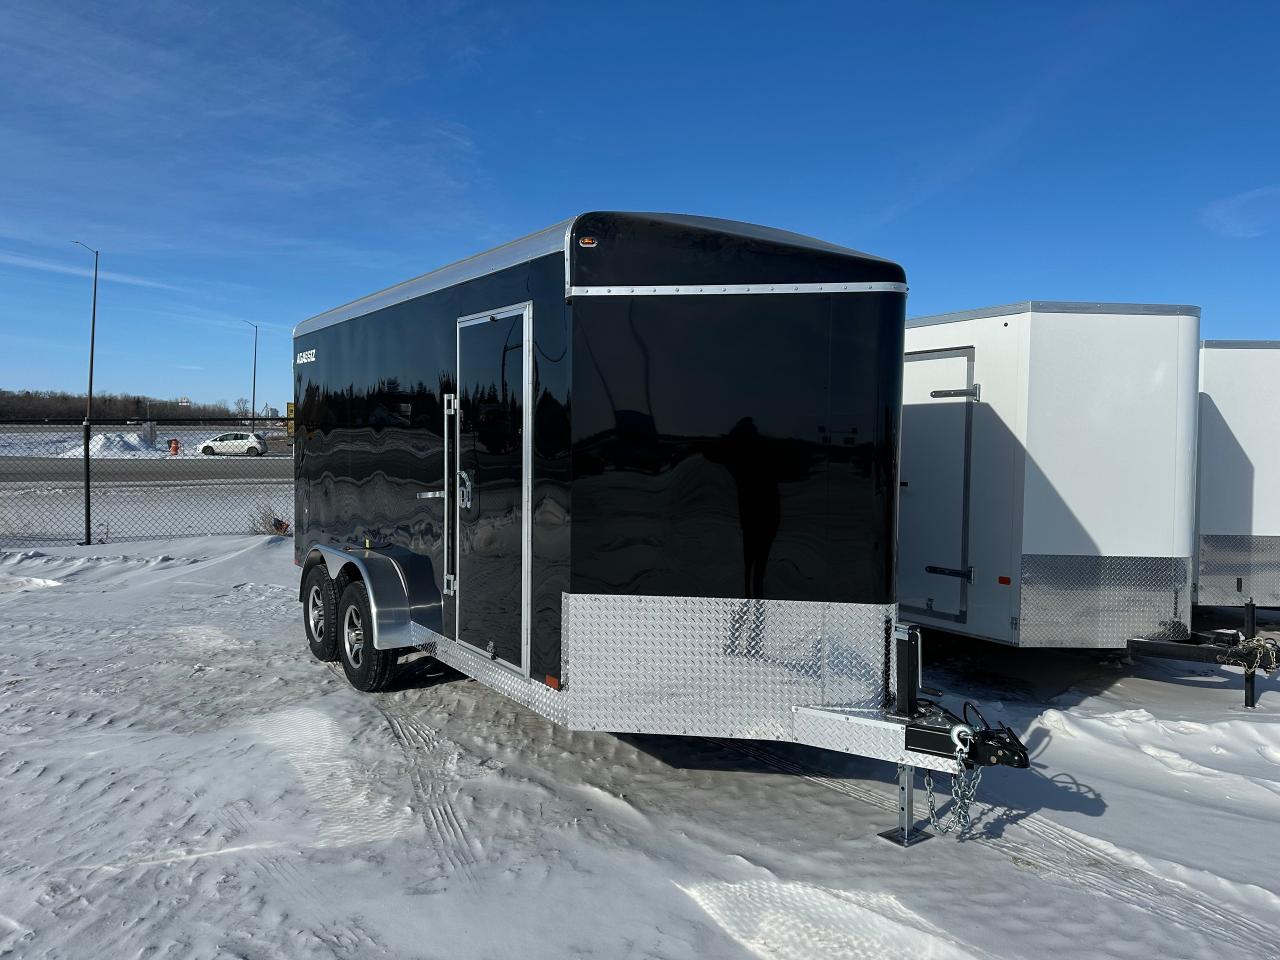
[(266, 161)]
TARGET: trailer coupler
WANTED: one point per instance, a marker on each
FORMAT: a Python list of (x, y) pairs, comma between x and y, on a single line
[(932, 729)]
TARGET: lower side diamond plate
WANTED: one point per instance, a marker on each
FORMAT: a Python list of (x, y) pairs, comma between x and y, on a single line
[(1092, 601), (1254, 561), (538, 697), (717, 667)]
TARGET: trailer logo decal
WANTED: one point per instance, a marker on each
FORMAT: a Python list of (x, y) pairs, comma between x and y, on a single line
[(306, 356)]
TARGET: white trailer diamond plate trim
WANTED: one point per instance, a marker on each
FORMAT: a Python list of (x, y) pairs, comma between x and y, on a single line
[(1099, 602), (1254, 560)]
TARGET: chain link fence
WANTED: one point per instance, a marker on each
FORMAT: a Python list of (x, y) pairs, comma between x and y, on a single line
[(151, 479)]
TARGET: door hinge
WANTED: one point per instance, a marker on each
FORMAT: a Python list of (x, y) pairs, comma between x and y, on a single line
[(971, 393), (1013, 624), (450, 584), (450, 404)]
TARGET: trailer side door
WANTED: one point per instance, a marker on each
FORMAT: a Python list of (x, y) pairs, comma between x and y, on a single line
[(938, 394), (492, 483)]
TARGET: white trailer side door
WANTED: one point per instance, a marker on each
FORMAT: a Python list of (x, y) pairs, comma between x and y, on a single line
[(938, 393)]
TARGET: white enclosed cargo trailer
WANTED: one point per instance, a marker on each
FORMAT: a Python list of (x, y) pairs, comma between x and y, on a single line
[(1048, 472), (1239, 481)]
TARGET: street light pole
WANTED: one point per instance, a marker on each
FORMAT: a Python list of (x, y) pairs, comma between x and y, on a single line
[(88, 404), (253, 393)]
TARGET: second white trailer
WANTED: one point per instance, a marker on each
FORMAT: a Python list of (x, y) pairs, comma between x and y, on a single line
[(1048, 472), (1239, 485)]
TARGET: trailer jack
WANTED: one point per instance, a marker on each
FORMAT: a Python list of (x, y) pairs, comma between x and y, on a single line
[(968, 740), (1241, 648)]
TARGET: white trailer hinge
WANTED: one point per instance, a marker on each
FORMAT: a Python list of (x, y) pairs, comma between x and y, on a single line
[(450, 404), (970, 393), (450, 584)]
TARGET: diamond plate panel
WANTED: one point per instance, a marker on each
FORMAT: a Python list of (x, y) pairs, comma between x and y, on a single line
[(538, 697), (717, 667), (866, 734), (1255, 560), (1102, 602)]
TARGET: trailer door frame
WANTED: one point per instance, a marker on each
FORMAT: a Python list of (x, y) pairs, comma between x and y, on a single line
[(970, 393), (456, 483)]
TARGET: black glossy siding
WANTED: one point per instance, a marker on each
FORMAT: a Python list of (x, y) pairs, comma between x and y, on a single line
[(634, 248), (370, 419), (737, 446)]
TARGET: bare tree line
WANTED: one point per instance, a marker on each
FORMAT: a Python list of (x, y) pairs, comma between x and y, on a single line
[(58, 405)]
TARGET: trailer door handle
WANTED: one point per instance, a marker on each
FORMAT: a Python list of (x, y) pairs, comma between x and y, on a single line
[(965, 575), (429, 495), (464, 490)]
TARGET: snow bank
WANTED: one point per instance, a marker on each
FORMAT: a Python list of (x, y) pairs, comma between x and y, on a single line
[(112, 445)]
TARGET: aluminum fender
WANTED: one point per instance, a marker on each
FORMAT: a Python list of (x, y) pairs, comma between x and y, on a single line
[(388, 594)]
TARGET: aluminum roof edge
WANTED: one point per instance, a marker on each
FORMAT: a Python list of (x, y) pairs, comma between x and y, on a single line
[(1240, 344), (1057, 306), (543, 243)]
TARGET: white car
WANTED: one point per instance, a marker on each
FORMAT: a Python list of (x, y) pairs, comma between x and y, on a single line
[(251, 444)]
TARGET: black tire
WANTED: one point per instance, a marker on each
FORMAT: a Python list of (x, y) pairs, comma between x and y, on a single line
[(367, 669), (320, 613), (207, 451), (254, 451)]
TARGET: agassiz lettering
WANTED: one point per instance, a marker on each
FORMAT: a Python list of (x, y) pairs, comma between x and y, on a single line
[(306, 356)]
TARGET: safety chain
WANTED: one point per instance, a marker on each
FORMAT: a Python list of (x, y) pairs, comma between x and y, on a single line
[(1259, 653), (964, 790)]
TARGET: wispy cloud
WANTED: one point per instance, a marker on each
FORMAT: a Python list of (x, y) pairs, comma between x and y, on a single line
[(1002, 128), (1244, 215), (52, 266)]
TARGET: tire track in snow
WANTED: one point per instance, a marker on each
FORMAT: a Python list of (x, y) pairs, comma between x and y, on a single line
[(1062, 855), (426, 756), (420, 744)]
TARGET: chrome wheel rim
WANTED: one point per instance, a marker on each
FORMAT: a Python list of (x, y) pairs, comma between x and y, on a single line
[(315, 613), (353, 636)]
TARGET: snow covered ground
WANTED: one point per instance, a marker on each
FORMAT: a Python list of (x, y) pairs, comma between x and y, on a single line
[(179, 779)]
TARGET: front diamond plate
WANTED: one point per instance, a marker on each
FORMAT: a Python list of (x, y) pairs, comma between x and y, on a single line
[(717, 667), (1254, 560), (1102, 602)]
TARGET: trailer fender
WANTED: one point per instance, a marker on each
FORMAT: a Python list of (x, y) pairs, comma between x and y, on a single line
[(385, 582)]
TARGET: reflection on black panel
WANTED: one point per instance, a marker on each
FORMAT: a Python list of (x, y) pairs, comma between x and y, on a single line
[(370, 415), (737, 446), (490, 460)]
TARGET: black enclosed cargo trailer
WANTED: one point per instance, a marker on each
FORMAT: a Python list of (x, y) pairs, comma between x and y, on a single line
[(636, 471)]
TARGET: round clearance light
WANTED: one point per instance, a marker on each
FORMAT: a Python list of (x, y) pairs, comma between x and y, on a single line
[(586, 241)]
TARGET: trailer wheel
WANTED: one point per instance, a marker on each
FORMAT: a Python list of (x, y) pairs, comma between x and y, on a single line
[(367, 669), (320, 613)]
